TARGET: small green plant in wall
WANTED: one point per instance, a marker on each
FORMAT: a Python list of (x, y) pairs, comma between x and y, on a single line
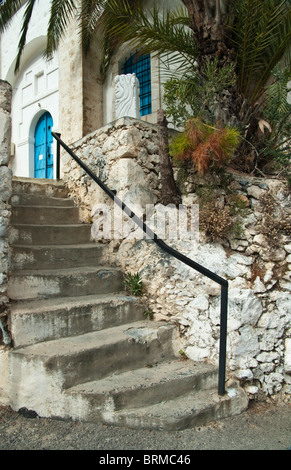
[(133, 284), (183, 355)]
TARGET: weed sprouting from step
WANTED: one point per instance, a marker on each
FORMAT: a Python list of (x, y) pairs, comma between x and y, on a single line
[(149, 314), (133, 284)]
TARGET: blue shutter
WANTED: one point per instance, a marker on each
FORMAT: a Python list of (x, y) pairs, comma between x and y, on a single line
[(141, 66)]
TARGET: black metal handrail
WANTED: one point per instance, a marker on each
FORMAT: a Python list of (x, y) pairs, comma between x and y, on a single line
[(171, 251)]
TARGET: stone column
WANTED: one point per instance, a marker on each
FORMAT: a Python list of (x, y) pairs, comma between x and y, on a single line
[(80, 87), (5, 195), (71, 85)]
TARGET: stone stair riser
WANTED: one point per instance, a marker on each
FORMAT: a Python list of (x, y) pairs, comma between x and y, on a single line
[(151, 394), (50, 234), (132, 421), (45, 215), (45, 324), (57, 284), (54, 257), (40, 200), (161, 392), (209, 407), (49, 188), (95, 362)]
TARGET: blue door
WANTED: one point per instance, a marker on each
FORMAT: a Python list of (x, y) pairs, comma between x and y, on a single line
[(43, 157)]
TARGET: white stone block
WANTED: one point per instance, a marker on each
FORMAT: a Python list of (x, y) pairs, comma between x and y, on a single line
[(252, 389), (245, 342), (244, 374)]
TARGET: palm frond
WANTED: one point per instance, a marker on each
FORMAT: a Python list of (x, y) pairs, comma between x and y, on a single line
[(108, 22), (26, 20), (152, 31), (180, 16), (90, 13), (277, 92), (7, 11), (261, 34), (61, 13)]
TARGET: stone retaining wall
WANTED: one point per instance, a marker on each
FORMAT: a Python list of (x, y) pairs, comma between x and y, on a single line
[(124, 155), (5, 188), (253, 252)]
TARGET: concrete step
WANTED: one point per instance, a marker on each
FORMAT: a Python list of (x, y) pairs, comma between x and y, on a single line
[(57, 256), (146, 386), (25, 234), (197, 408), (39, 215), (50, 188), (24, 199), (24, 285), (44, 320), (95, 355)]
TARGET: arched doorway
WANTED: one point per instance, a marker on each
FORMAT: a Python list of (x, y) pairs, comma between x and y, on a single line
[(43, 155)]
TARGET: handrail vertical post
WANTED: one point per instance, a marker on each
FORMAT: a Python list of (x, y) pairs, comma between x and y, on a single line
[(58, 163), (223, 339)]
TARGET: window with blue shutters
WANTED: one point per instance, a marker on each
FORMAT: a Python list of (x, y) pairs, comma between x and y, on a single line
[(141, 66)]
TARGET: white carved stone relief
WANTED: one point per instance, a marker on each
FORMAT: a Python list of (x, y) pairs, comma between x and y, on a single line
[(127, 96)]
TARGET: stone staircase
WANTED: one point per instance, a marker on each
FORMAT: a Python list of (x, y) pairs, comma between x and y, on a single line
[(82, 348)]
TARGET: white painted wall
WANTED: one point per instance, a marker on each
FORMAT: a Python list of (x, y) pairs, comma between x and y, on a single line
[(35, 85)]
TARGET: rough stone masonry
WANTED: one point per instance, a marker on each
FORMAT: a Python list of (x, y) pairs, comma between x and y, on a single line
[(5, 192)]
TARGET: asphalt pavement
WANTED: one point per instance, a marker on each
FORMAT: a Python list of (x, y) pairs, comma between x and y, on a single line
[(264, 426)]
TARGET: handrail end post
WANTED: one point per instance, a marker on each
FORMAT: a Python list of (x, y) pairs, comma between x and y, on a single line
[(223, 339), (58, 160)]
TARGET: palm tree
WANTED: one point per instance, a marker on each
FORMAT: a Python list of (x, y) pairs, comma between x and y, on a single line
[(254, 35), (250, 35)]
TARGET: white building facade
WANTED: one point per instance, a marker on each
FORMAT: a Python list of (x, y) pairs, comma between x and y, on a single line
[(67, 90)]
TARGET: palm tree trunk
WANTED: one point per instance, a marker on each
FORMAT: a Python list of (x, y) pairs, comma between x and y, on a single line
[(170, 193), (207, 26)]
